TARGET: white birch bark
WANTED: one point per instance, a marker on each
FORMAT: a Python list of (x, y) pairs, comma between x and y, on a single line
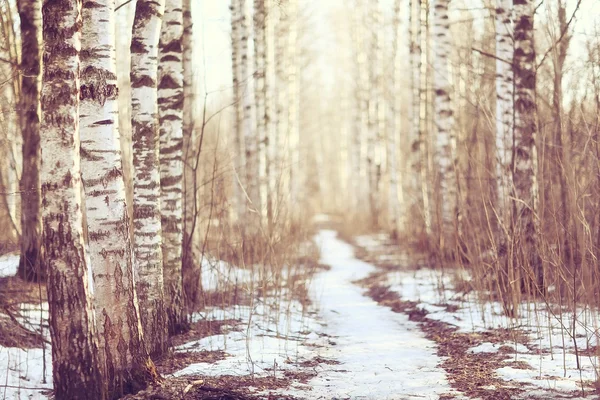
[(269, 141), (254, 146), (146, 189), (374, 24), (361, 128), (31, 263), (445, 138), (424, 167), (191, 271), (395, 214), (170, 114), (525, 167), (238, 153), (504, 103), (414, 161), (117, 313), (293, 125), (76, 369), (281, 142)]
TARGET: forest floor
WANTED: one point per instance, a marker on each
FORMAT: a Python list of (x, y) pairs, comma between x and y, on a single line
[(375, 324)]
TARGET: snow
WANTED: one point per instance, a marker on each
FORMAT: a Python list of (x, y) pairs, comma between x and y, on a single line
[(375, 353), (217, 274), (22, 372), (9, 264), (383, 355), (379, 354), (549, 356), (264, 344)]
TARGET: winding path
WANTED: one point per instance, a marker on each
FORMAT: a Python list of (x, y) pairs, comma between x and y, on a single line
[(383, 355)]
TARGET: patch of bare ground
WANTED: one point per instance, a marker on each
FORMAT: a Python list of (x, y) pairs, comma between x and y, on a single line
[(471, 373), (173, 362), (220, 388), (14, 292), (205, 328)]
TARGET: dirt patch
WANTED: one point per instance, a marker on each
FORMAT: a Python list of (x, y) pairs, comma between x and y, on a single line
[(318, 361), (205, 328), (177, 361), (14, 290), (221, 388), (471, 373)]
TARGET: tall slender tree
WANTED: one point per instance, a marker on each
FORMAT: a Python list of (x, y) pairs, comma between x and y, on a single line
[(525, 167), (147, 233), (238, 37), (191, 271), (395, 189), (170, 111), (117, 313), (445, 138), (255, 146), (76, 370), (293, 123), (31, 262), (504, 106)]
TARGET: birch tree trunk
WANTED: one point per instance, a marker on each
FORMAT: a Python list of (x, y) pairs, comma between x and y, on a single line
[(504, 106), (424, 148), (170, 113), (117, 313), (146, 185), (444, 123), (414, 161), (361, 132), (254, 145), (237, 43), (374, 23), (395, 190), (562, 153), (76, 369), (293, 124), (525, 168), (281, 139), (191, 269), (270, 115), (31, 262)]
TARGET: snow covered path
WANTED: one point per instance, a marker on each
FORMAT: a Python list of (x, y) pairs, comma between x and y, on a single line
[(383, 355)]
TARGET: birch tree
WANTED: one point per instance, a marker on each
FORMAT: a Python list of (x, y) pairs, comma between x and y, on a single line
[(170, 111), (31, 262), (504, 104), (525, 175), (239, 62), (117, 312), (191, 274), (253, 145), (359, 134), (445, 138), (376, 112), (76, 370), (146, 186), (394, 213), (293, 123)]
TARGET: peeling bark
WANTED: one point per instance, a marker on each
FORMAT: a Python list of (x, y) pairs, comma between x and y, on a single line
[(76, 369), (147, 233), (525, 155), (170, 111), (117, 312), (31, 262), (445, 139)]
